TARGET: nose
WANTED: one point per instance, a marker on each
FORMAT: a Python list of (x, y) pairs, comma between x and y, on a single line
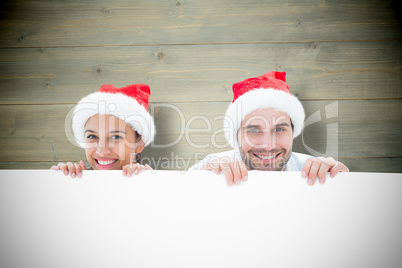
[(103, 148), (267, 141)]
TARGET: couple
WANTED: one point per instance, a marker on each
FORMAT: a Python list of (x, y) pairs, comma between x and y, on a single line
[(113, 126)]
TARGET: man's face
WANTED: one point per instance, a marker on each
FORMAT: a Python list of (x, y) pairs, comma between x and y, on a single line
[(265, 137)]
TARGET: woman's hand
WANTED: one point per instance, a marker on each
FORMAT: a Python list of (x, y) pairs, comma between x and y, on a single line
[(135, 169), (75, 169)]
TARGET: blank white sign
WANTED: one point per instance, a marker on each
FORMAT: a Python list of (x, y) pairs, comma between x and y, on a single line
[(193, 219)]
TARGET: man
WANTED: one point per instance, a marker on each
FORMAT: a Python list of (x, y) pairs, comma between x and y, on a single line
[(260, 124)]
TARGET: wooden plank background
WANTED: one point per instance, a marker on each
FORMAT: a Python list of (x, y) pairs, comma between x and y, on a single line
[(345, 54)]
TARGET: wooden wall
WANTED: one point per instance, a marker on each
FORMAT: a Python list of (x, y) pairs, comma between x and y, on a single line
[(343, 59)]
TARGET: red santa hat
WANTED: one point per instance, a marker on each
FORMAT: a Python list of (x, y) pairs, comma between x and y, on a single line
[(267, 91), (129, 104)]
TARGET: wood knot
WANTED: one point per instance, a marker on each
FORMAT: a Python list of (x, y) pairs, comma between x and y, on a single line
[(178, 4), (161, 55), (22, 38), (42, 50), (105, 11), (48, 84), (99, 70), (300, 23)]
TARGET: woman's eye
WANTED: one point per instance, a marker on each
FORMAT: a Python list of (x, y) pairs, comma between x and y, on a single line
[(116, 137), (91, 137)]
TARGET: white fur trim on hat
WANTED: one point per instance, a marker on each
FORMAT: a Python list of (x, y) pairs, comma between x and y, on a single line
[(117, 104), (259, 99)]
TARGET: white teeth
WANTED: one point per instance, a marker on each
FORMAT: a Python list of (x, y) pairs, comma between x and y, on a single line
[(266, 157), (104, 163)]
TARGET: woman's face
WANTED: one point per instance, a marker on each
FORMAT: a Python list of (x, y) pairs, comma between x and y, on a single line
[(110, 143)]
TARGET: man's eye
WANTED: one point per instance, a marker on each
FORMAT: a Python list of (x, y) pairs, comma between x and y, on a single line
[(279, 129), (253, 131)]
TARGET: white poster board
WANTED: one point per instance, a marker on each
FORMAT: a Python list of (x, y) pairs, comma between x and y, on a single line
[(193, 219)]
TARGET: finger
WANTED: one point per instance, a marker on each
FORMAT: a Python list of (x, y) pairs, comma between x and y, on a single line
[(132, 169), (243, 170), (313, 172), (138, 169), (227, 171), (71, 168), (124, 168), (147, 167), (129, 172), (55, 168), (329, 160), (216, 170), (78, 169), (322, 172), (237, 176), (213, 167), (83, 165), (306, 168), (339, 167), (64, 168)]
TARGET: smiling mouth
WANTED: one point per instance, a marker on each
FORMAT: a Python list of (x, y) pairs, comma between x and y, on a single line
[(105, 163), (267, 157)]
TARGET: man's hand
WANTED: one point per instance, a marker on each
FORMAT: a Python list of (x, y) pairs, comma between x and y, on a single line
[(235, 170), (319, 167), (75, 169)]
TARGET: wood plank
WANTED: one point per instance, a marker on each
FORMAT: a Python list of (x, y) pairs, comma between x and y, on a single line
[(368, 128), (346, 70), (387, 165), (106, 23)]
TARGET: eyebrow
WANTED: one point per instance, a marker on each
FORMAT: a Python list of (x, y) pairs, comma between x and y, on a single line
[(114, 131), (258, 126), (282, 125), (251, 126)]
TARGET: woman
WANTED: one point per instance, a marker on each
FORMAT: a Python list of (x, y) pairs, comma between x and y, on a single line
[(113, 125)]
